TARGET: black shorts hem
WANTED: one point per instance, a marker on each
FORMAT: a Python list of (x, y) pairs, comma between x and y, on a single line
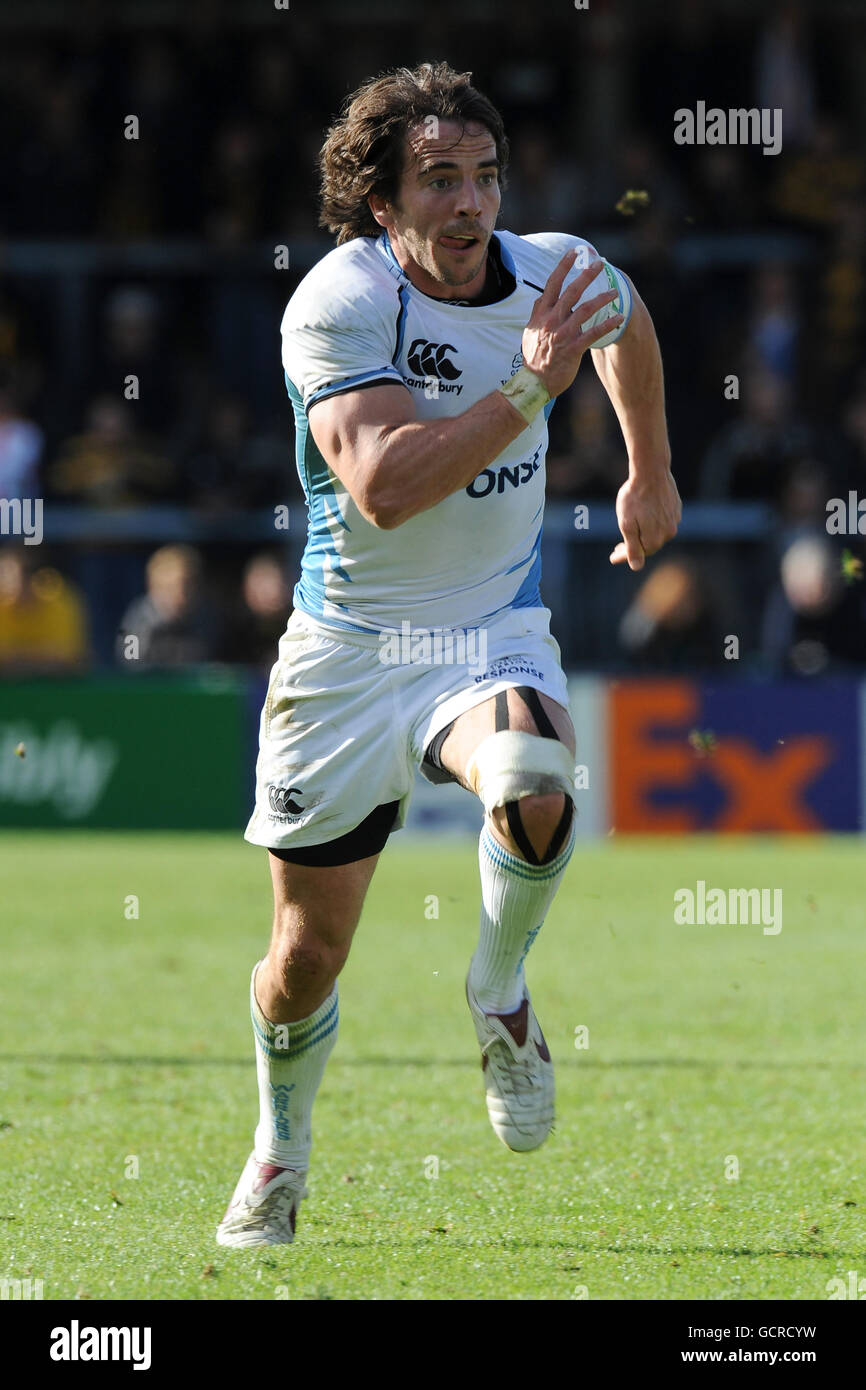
[(367, 839)]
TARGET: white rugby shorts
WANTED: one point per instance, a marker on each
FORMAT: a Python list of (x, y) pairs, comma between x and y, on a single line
[(348, 719)]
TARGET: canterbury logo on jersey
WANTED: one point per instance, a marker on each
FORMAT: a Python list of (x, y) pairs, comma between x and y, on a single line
[(428, 359), (498, 479)]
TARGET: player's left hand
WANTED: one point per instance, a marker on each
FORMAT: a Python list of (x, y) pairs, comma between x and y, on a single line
[(648, 512)]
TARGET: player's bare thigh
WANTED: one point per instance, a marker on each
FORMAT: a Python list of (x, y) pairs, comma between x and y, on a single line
[(316, 911), (473, 726)]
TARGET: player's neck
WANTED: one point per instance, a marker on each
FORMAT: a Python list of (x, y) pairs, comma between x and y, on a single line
[(497, 283)]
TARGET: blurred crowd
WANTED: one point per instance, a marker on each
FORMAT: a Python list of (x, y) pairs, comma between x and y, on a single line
[(176, 395), (182, 618)]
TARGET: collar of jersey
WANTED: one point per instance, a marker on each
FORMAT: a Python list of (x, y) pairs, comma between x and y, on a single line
[(384, 247)]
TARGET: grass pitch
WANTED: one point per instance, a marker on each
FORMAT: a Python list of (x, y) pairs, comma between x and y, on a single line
[(709, 1139)]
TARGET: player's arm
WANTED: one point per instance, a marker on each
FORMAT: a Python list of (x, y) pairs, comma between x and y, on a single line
[(648, 507), (395, 466)]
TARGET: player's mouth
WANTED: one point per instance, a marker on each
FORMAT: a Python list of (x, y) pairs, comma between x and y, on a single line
[(460, 245)]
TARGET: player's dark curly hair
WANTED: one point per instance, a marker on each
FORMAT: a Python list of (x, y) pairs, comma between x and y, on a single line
[(363, 151)]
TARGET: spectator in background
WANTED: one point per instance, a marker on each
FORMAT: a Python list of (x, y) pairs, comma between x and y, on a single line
[(153, 187), (688, 52), (815, 618), (803, 501), (43, 623), (774, 327), (724, 193), (261, 616), (55, 172), (639, 166), (751, 457), (591, 461), (543, 190), (784, 77), (173, 623), (285, 92), (839, 329), (672, 623), (529, 75), (233, 185), (109, 465), (21, 444), (21, 347), (242, 309), (811, 185), (135, 342), (854, 434), (233, 468), (129, 207)]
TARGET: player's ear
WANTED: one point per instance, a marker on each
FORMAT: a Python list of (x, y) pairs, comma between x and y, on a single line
[(380, 208)]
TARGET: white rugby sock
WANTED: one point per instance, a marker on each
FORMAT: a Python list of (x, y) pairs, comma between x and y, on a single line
[(515, 899), (290, 1062)]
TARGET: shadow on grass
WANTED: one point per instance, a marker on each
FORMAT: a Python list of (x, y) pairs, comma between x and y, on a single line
[(107, 1059), (585, 1247)]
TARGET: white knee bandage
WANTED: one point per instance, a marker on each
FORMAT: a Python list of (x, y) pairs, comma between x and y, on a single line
[(508, 765)]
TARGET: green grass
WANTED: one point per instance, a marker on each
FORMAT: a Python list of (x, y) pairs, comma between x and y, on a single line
[(131, 1037)]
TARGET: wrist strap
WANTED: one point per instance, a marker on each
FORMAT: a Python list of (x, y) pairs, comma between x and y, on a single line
[(527, 393)]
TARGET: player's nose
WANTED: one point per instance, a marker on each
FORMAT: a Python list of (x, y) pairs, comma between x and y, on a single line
[(468, 202)]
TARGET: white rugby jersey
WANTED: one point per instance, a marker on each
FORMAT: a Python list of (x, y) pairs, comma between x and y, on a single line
[(356, 319)]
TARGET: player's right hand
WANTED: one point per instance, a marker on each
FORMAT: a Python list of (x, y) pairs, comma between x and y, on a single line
[(553, 343)]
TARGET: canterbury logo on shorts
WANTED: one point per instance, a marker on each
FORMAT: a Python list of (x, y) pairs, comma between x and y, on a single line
[(282, 803)]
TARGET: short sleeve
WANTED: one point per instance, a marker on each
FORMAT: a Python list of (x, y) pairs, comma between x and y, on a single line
[(335, 347)]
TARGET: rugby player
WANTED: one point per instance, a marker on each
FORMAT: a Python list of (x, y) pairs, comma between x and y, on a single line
[(422, 357)]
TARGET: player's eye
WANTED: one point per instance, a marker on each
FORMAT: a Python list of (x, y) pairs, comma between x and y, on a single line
[(441, 182)]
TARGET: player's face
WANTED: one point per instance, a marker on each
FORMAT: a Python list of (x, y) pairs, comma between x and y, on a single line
[(441, 223)]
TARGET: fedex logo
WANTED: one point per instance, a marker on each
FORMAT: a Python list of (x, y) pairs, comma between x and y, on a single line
[(782, 757)]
